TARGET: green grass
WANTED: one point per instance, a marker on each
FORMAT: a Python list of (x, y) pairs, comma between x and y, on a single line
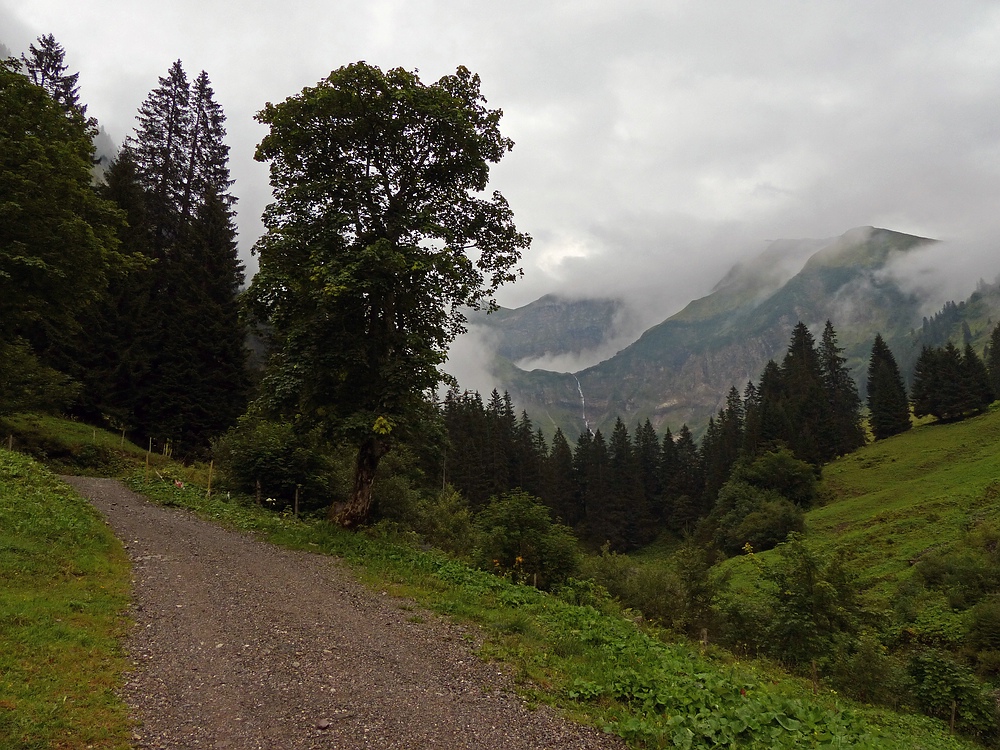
[(580, 652), (63, 593), (895, 500)]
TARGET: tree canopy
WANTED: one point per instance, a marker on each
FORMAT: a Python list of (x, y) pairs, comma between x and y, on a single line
[(58, 243), (378, 237)]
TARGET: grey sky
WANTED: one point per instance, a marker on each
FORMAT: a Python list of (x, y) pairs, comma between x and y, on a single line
[(657, 141)]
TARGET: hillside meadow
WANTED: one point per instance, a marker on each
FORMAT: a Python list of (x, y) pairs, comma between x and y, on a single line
[(577, 650)]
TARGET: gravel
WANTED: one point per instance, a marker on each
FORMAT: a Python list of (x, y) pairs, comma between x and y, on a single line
[(240, 644)]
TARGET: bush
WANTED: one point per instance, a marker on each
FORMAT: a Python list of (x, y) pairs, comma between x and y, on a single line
[(518, 538), (280, 459), (866, 672), (814, 603), (940, 683), (782, 473), (746, 514)]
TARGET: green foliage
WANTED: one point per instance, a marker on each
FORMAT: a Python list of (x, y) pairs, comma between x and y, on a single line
[(746, 514), (942, 684), (814, 601), (58, 244), (275, 459), (64, 583), (865, 671), (365, 272), (28, 385), (517, 537), (888, 407), (596, 664)]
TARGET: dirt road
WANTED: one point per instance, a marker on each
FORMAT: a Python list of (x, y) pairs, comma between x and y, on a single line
[(239, 644)]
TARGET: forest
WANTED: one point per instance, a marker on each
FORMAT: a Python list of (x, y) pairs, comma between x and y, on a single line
[(313, 389)]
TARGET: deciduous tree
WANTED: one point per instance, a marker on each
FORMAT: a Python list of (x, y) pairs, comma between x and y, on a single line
[(378, 238)]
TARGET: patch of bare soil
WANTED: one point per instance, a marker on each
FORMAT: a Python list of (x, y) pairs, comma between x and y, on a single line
[(240, 644)]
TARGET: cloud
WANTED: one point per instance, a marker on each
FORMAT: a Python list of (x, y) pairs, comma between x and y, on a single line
[(657, 142)]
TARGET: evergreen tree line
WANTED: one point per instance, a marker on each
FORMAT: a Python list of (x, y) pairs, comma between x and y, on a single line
[(626, 488), (157, 348)]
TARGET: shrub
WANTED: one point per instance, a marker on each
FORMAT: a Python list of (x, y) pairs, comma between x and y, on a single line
[(815, 604), (746, 514), (280, 459), (517, 537), (941, 683), (866, 672), (781, 472)]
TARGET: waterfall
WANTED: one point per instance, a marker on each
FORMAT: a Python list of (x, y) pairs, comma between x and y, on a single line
[(583, 403)]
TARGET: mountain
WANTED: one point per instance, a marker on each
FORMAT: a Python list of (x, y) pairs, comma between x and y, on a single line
[(551, 326), (680, 370)]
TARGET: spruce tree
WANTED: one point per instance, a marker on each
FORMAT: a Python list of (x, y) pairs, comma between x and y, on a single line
[(46, 67), (667, 470), (688, 483), (804, 400), (927, 383), (845, 432), (627, 506), (560, 487), (647, 455), (888, 407), (186, 358), (604, 523), (992, 357), (979, 391)]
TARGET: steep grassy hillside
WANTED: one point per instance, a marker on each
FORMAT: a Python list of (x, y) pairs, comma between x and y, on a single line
[(895, 500)]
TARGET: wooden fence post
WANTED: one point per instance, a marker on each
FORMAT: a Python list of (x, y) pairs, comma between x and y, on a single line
[(211, 466)]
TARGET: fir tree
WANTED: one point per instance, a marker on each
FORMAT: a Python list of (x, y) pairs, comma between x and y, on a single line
[(184, 368), (647, 455), (845, 432), (688, 483), (604, 523), (978, 390), (992, 357), (560, 492), (888, 408), (46, 67), (804, 400)]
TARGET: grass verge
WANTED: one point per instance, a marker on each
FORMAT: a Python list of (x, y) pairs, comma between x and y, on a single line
[(578, 652), (63, 593)]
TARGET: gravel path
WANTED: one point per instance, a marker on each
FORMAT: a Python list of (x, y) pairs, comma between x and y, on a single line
[(240, 644)]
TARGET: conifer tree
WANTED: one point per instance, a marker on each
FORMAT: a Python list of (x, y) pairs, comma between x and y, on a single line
[(667, 469), (182, 363), (688, 483), (647, 455), (804, 399), (581, 465), (603, 519), (927, 385), (888, 407), (845, 432), (768, 413), (978, 391), (992, 357), (560, 488), (627, 506), (46, 67)]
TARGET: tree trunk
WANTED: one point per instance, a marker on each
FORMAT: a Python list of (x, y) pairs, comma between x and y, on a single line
[(356, 510)]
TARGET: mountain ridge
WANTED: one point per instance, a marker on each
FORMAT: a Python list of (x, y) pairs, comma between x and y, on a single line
[(679, 370)]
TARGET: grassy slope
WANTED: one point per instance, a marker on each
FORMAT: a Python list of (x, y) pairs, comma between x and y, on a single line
[(63, 592), (896, 499), (594, 663)]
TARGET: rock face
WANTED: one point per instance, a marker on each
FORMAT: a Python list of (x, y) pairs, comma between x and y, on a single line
[(680, 370), (551, 325)]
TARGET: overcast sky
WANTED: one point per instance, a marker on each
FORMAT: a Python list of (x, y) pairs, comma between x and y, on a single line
[(656, 141)]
